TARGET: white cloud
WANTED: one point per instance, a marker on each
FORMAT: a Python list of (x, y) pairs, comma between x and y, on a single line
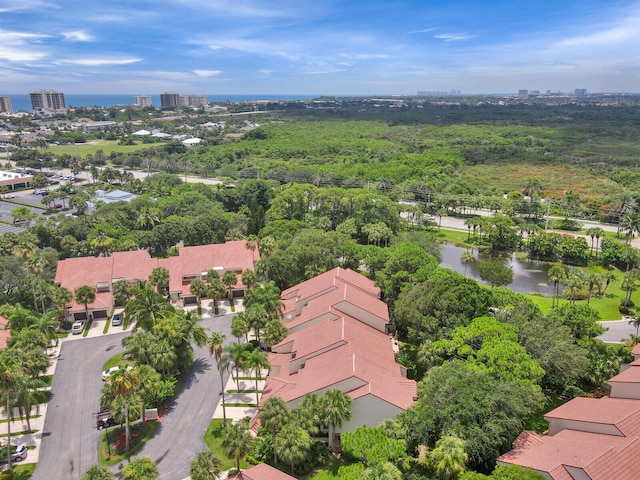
[(424, 30), (24, 6), (77, 36), (100, 62), (453, 37), (207, 73), (364, 56), (19, 46)]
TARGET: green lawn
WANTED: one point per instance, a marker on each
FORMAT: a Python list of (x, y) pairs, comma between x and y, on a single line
[(213, 439), (107, 146)]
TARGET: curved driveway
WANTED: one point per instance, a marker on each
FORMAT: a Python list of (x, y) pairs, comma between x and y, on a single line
[(70, 438)]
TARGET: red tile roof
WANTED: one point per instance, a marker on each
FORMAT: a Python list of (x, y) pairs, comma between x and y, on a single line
[(630, 375), (622, 413), (137, 265), (636, 350), (262, 471)]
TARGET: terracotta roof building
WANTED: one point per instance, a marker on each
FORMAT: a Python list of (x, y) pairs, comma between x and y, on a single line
[(337, 340), (190, 263), (588, 438), (5, 332), (262, 471)]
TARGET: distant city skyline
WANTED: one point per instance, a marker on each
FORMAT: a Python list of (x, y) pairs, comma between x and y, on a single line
[(332, 48)]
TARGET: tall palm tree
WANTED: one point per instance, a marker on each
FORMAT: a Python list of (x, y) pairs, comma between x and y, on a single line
[(266, 294), (229, 278), (215, 342), (240, 326), (532, 186), (608, 277), (61, 298), (10, 377), (635, 321), (337, 410), (235, 353), (467, 257), (249, 278), (594, 280), (557, 275), (85, 295), (256, 361), (449, 458), (198, 288), (266, 246), (122, 385), (205, 466), (293, 444), (237, 442), (215, 291), (576, 279), (122, 291), (274, 414), (34, 266)]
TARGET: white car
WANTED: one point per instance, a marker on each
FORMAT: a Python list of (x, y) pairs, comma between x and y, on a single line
[(77, 327), (107, 373)]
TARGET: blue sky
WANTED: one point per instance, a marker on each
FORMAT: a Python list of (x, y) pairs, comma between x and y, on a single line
[(319, 46)]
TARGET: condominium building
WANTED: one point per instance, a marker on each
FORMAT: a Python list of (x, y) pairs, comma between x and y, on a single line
[(5, 104), (44, 100), (169, 99), (197, 100), (143, 100)]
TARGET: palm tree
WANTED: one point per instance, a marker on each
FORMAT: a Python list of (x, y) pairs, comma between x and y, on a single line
[(266, 294), (598, 233), (467, 258), (10, 376), (532, 186), (198, 288), (205, 466), (34, 266), (266, 246), (237, 442), (576, 279), (630, 284), (337, 409), (140, 469), (608, 277), (256, 317), (98, 472), (293, 444), (150, 383), (146, 309), (249, 278), (122, 291), (61, 298), (448, 458), (274, 332), (635, 321), (159, 278), (593, 280), (256, 360), (215, 291), (235, 353), (240, 326), (274, 414), (85, 295), (148, 218), (229, 278), (557, 275), (122, 385)]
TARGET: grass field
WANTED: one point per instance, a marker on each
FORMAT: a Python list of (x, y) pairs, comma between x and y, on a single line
[(90, 148), (213, 439)]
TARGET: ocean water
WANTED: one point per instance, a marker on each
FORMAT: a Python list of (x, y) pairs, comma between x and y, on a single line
[(22, 101)]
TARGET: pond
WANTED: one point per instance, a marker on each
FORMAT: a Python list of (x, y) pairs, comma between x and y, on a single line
[(529, 276)]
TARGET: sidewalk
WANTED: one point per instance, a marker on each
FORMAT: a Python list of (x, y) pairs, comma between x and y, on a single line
[(19, 425), (239, 413)]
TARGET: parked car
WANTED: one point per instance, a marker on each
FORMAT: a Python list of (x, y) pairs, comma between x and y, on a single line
[(18, 453), (57, 205), (107, 373), (19, 220), (104, 419), (116, 319), (9, 195), (77, 327)]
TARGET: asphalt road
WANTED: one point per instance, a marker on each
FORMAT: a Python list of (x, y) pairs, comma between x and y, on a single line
[(70, 438), (618, 331)]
